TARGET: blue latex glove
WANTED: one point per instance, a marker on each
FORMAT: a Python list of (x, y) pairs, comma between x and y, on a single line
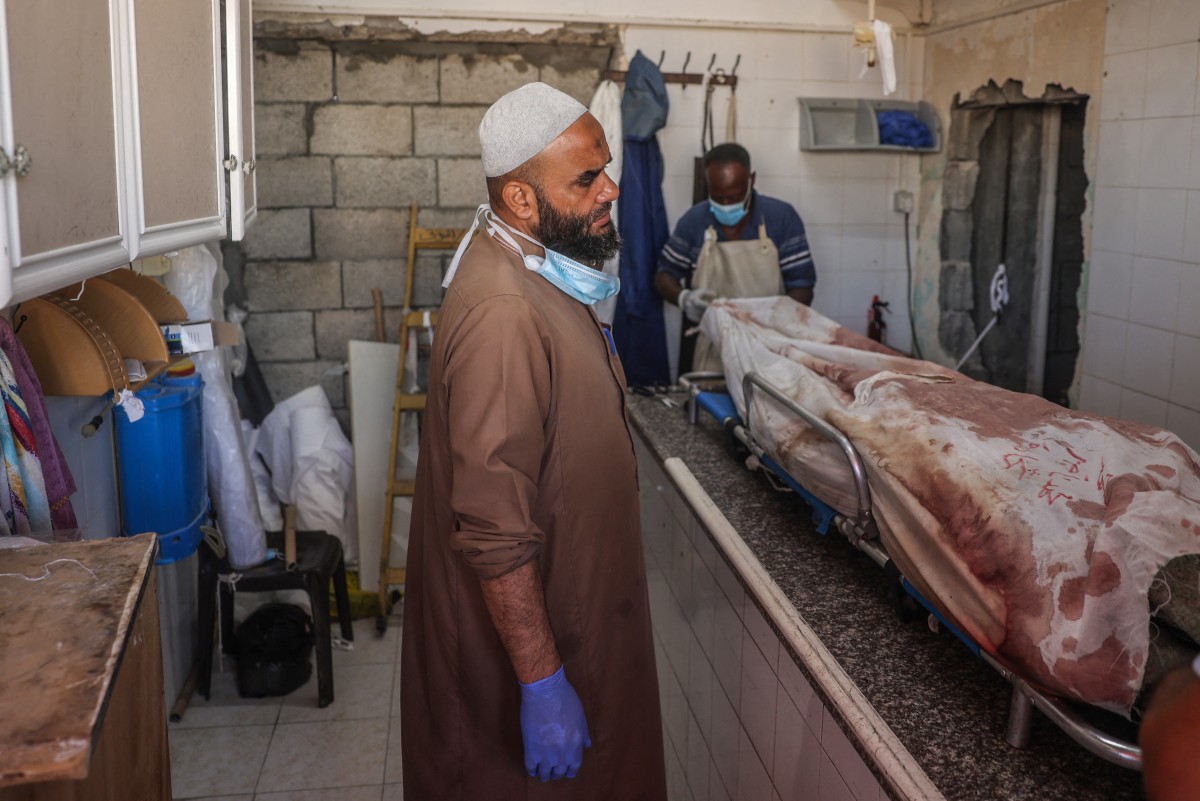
[(554, 728)]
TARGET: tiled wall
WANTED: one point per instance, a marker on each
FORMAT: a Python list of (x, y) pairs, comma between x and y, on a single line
[(844, 198), (1141, 356), (740, 720)]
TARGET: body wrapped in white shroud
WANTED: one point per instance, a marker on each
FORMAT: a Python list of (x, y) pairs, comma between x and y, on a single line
[(1037, 529)]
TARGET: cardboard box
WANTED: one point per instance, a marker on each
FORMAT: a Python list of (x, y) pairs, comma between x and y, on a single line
[(196, 337)]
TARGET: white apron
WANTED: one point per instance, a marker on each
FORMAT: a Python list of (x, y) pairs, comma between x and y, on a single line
[(747, 268)]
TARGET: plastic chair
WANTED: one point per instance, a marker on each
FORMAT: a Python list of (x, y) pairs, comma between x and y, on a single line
[(318, 560)]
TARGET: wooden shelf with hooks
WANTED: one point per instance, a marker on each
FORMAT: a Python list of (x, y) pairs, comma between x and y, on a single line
[(684, 78)]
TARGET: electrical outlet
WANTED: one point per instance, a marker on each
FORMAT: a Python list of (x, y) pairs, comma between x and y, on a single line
[(902, 201)]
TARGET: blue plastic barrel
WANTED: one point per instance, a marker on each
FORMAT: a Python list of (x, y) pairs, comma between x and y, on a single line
[(164, 486)]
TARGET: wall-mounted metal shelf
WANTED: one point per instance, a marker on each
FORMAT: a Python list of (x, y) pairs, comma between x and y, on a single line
[(828, 123)]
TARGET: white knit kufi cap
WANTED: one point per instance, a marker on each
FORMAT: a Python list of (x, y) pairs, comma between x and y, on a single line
[(521, 124)]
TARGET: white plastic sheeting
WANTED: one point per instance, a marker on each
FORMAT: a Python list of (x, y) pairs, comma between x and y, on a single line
[(312, 465), (1037, 529), (197, 279)]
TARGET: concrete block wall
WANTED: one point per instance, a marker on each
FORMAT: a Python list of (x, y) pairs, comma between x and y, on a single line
[(349, 134)]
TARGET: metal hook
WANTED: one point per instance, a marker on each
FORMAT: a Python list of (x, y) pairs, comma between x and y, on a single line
[(712, 61), (737, 61), (686, 60), (662, 54)]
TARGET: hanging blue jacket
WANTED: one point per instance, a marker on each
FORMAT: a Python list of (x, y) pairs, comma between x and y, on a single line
[(638, 324)]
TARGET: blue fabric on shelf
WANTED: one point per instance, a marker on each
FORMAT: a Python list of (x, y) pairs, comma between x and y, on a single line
[(903, 128)]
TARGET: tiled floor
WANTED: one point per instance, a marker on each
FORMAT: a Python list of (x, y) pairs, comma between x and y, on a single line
[(286, 749)]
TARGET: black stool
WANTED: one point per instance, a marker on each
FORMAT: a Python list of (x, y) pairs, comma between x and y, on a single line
[(318, 559)]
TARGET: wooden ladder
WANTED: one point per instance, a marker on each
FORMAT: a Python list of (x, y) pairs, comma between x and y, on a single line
[(412, 402)]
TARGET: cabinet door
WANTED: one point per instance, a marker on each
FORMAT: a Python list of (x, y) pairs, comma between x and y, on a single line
[(239, 93), (178, 90), (62, 106)]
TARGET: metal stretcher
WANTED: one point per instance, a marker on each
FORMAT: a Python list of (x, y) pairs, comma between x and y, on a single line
[(864, 535)]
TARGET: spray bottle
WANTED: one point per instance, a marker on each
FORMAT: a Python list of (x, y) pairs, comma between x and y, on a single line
[(876, 325)]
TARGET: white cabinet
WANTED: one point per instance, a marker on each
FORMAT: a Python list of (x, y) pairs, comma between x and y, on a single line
[(114, 129), (239, 94)]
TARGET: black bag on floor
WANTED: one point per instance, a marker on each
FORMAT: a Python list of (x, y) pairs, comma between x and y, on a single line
[(273, 648)]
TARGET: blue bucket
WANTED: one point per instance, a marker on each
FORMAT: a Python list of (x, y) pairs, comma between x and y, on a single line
[(164, 486), (180, 544)]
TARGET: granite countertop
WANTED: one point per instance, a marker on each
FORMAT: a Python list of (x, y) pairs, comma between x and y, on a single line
[(66, 611), (947, 707)]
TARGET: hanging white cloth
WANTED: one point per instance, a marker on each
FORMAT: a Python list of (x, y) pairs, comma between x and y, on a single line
[(606, 108), (887, 56)]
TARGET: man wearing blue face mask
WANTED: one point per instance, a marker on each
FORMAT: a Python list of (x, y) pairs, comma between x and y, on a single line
[(528, 658), (738, 244)]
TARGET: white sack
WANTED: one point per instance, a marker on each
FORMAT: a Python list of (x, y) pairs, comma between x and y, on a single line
[(198, 281), (312, 465)]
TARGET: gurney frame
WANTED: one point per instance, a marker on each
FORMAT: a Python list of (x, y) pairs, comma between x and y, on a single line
[(863, 534)]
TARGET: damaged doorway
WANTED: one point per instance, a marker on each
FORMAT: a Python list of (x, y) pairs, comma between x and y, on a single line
[(1016, 189)]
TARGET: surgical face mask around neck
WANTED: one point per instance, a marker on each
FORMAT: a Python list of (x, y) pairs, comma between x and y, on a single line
[(577, 280), (730, 213)]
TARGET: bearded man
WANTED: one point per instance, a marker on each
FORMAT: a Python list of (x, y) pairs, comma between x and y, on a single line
[(528, 661)]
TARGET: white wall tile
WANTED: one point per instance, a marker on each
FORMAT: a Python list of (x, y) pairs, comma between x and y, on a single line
[(1109, 278), (1119, 156), (822, 163), (1122, 90), (1171, 22), (1114, 219), (827, 296), (758, 699), (847, 761), (825, 242), (726, 742), (830, 784), (779, 163), (753, 782), (821, 201), (761, 633), (797, 762), (675, 716), (1099, 396), (796, 687), (1104, 347), (676, 778), (1166, 147), (1160, 223), (1154, 292), (863, 246), (1127, 25), (857, 290), (1185, 423), (680, 577), (1191, 229), (1148, 355), (1188, 318), (776, 55), (826, 57), (878, 165), (697, 763), (1185, 377), (704, 595), (1143, 409), (1166, 94), (702, 683), (867, 201), (727, 647)]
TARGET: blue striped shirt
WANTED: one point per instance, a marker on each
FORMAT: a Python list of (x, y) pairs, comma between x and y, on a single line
[(680, 254)]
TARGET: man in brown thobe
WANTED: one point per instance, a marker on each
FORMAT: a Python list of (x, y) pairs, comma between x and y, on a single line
[(528, 661)]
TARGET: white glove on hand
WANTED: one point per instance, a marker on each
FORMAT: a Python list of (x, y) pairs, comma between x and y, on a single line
[(693, 302)]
